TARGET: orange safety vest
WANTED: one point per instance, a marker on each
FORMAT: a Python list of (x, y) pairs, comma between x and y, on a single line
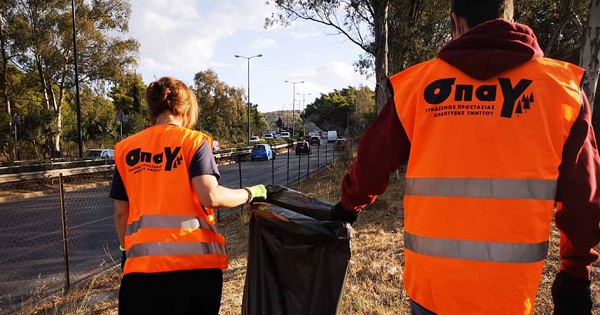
[(481, 181), (167, 228)]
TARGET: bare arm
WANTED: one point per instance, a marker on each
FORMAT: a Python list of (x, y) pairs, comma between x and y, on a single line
[(121, 215), (214, 196)]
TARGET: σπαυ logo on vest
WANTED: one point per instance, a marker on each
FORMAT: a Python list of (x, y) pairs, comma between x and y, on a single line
[(515, 100), (155, 160)]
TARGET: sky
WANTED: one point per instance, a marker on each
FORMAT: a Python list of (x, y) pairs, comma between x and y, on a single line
[(181, 38)]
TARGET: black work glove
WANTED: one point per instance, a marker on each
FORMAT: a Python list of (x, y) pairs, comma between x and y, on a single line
[(123, 259), (571, 295), (338, 212)]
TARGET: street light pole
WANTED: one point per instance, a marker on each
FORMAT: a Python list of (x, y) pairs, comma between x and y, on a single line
[(293, 103), (77, 100), (303, 100), (248, 59)]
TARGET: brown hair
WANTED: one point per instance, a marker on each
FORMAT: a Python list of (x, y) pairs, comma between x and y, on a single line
[(170, 94), (476, 12)]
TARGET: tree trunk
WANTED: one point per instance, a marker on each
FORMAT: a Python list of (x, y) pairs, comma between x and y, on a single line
[(590, 52), (55, 150), (381, 9), (4, 78), (43, 84)]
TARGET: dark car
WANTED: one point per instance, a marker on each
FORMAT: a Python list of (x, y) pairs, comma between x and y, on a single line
[(314, 140), (262, 152), (303, 148)]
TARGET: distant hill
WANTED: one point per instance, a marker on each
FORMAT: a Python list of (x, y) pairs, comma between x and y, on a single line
[(286, 117)]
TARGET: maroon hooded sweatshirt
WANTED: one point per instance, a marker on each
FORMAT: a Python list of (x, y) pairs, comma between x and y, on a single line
[(483, 52)]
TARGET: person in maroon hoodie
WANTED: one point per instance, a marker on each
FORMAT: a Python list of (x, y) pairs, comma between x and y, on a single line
[(494, 135)]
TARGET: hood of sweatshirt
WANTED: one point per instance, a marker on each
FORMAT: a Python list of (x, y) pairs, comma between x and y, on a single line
[(491, 48)]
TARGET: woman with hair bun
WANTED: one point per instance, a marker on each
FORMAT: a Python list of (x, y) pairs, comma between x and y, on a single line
[(165, 188)]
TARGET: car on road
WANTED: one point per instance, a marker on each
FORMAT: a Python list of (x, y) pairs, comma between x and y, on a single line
[(254, 139), (303, 148), (315, 140), (93, 154), (332, 136), (341, 144), (285, 134), (269, 136), (216, 146), (262, 152)]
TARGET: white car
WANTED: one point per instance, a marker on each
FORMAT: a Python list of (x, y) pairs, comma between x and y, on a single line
[(216, 146), (104, 154), (254, 139), (269, 136), (285, 134)]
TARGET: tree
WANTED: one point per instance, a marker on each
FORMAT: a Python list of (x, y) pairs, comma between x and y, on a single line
[(6, 11), (332, 111), (129, 95), (258, 122), (393, 34), (222, 108), (563, 31), (363, 22), (558, 25), (590, 53), (418, 30), (42, 41), (365, 112)]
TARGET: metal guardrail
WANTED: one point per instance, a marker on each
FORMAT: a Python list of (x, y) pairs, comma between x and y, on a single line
[(229, 154), (236, 152), (10, 178)]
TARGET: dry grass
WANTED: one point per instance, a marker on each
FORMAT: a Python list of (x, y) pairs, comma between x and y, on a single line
[(374, 281)]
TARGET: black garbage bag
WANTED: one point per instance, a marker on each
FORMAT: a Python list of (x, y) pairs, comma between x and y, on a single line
[(296, 263)]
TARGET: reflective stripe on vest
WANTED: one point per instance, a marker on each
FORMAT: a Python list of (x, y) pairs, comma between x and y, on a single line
[(169, 221), (167, 248), (482, 251), (499, 188)]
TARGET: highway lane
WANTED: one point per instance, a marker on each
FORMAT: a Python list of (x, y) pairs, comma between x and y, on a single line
[(32, 256)]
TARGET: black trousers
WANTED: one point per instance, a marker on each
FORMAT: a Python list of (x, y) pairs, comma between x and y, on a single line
[(178, 292)]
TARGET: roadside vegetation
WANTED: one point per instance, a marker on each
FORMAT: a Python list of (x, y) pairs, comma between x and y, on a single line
[(373, 283)]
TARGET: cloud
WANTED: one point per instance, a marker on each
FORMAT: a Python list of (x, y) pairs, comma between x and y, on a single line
[(304, 35), (180, 38), (326, 77), (262, 44)]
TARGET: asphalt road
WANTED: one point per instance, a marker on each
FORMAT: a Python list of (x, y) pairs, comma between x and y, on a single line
[(32, 258)]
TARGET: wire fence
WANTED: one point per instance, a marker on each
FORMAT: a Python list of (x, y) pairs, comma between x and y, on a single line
[(59, 231)]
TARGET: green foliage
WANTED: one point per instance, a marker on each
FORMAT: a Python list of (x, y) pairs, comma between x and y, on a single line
[(35, 133), (366, 111), (39, 37), (6, 134), (258, 123), (558, 25), (417, 31), (129, 95), (223, 114), (338, 109)]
